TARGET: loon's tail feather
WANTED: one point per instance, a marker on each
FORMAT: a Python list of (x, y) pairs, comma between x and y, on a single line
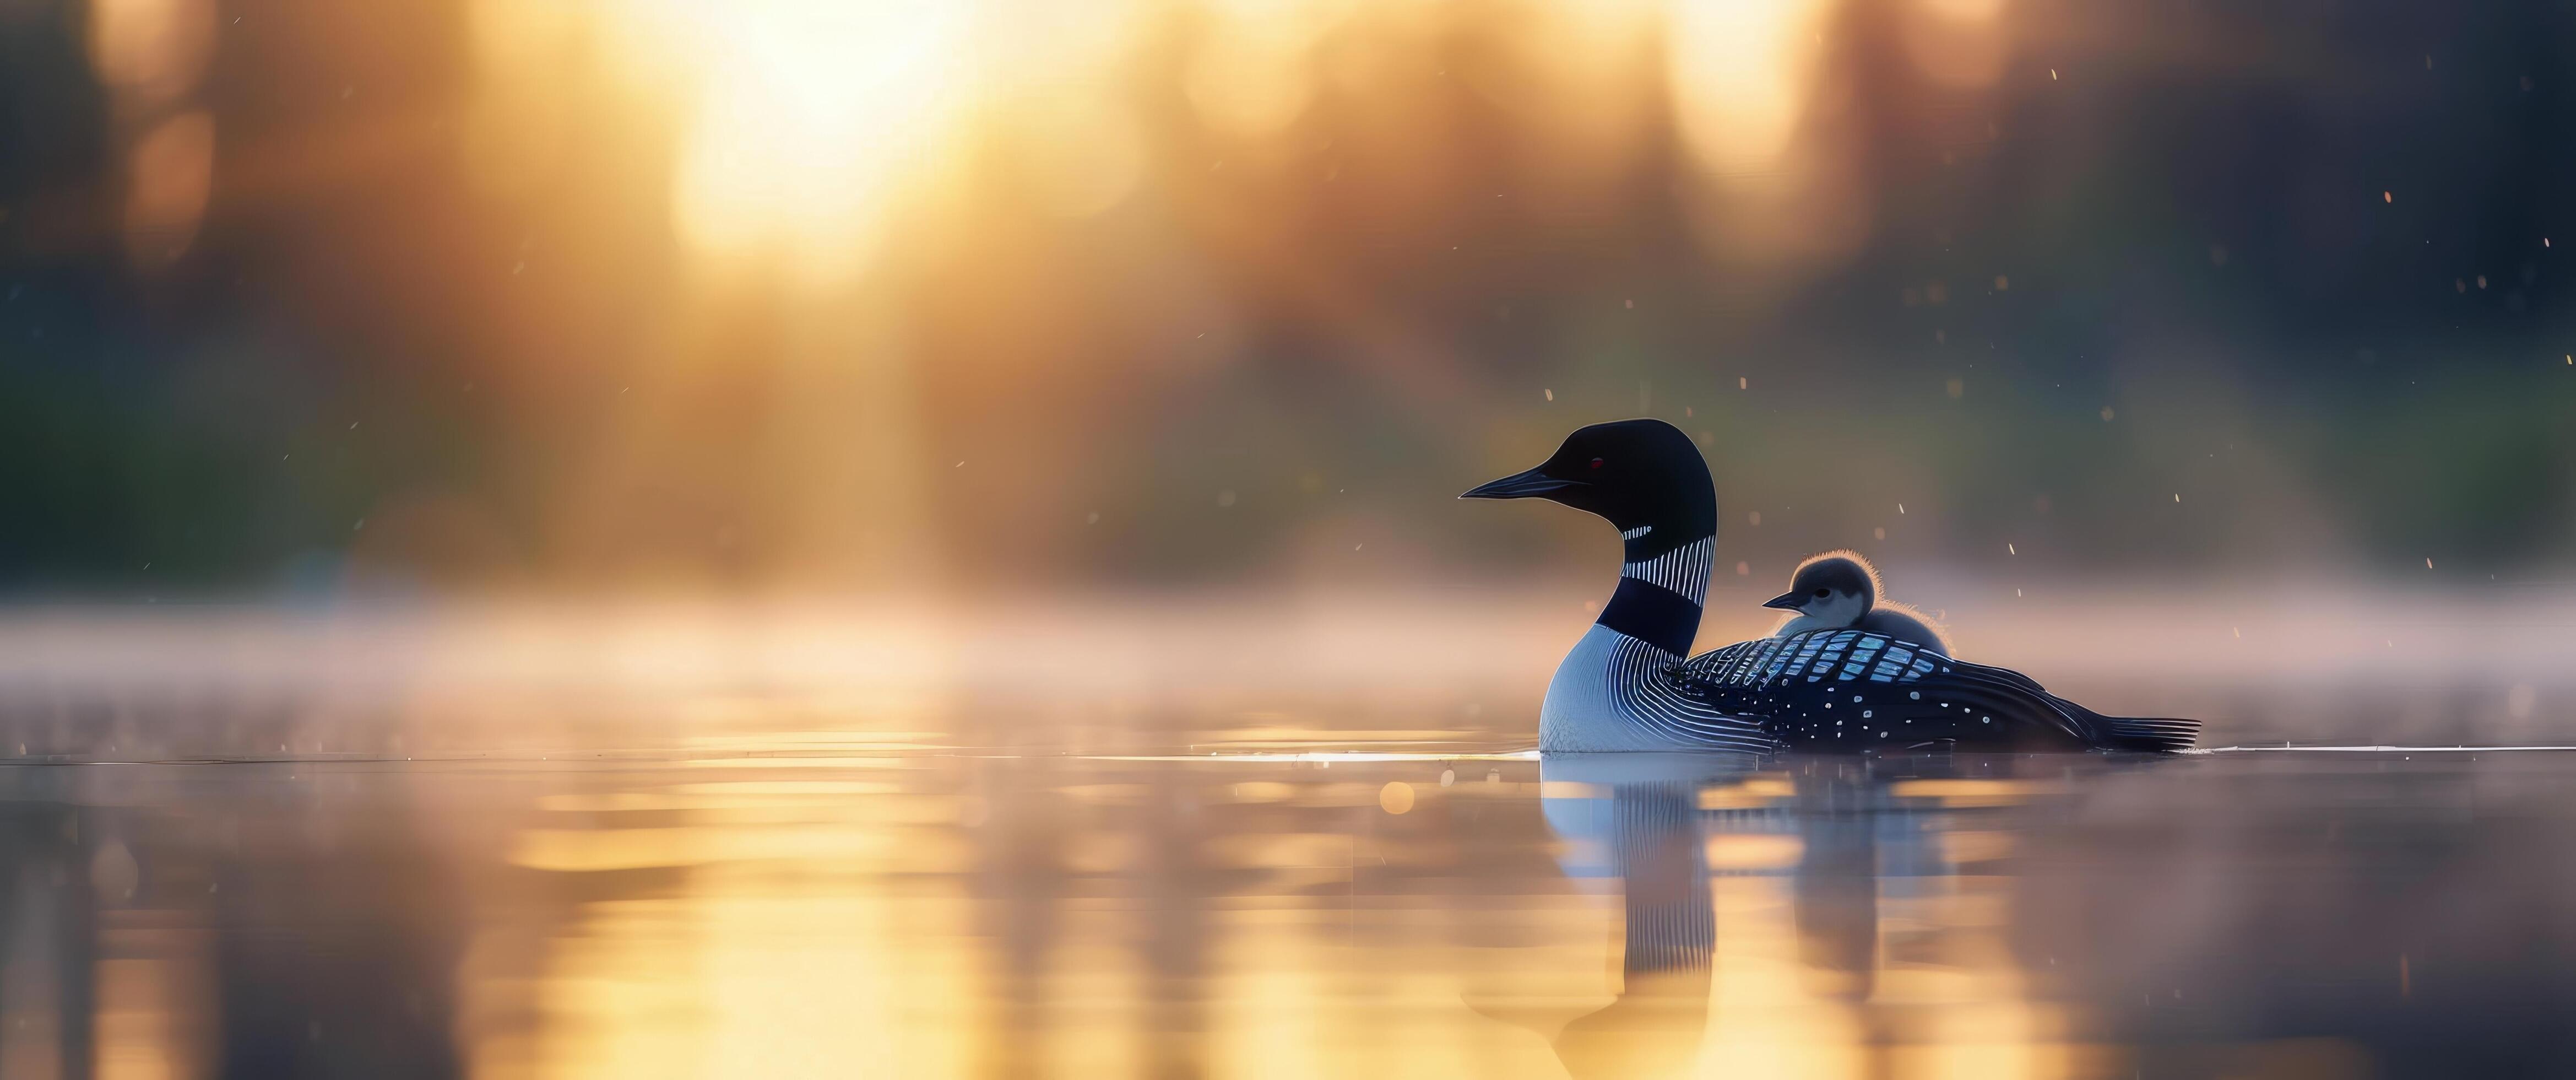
[(2153, 734), (2150, 733)]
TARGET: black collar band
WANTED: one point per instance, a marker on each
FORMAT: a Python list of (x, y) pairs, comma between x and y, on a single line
[(1652, 614)]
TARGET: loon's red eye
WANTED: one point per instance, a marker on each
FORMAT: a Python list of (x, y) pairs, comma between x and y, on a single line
[(1596, 463)]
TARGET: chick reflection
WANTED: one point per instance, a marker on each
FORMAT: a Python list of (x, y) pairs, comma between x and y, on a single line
[(1838, 811)]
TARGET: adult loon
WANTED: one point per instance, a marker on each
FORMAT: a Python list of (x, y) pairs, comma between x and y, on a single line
[(1628, 685), (1839, 590)]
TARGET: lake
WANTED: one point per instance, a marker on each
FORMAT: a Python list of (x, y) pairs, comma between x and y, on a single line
[(334, 848)]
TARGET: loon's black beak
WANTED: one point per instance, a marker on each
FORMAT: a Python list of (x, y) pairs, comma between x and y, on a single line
[(1522, 485), (1787, 601)]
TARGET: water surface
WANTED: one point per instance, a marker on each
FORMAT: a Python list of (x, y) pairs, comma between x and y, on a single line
[(923, 915), (783, 861)]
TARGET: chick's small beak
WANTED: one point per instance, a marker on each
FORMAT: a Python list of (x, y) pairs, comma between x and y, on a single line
[(1521, 485), (1787, 601)]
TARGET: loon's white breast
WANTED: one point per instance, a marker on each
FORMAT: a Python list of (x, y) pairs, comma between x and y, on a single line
[(1591, 703), (1618, 692)]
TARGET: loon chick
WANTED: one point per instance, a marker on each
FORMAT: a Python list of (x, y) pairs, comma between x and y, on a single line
[(1839, 590), (1627, 685)]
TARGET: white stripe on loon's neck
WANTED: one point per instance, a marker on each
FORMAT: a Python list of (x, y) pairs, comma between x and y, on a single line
[(1683, 570), (1662, 586)]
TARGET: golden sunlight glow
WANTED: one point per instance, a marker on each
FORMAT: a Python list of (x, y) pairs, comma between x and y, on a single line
[(806, 113), (1739, 71), (1959, 42), (150, 55), (1083, 153), (798, 121), (151, 1010), (805, 129), (170, 174), (1966, 10), (1252, 75), (1766, 1014), (1779, 181), (150, 52), (803, 983)]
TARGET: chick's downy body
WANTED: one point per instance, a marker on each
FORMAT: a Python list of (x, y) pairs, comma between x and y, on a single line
[(1839, 590)]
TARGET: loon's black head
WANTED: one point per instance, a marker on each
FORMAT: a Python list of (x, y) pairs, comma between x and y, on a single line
[(1836, 582), (1637, 473)]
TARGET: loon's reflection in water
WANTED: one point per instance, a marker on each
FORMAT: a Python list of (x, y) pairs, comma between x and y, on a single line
[(1646, 841), (1845, 836)]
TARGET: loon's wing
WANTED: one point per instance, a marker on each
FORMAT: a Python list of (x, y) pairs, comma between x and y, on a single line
[(1793, 683), (1732, 664), (1811, 656)]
